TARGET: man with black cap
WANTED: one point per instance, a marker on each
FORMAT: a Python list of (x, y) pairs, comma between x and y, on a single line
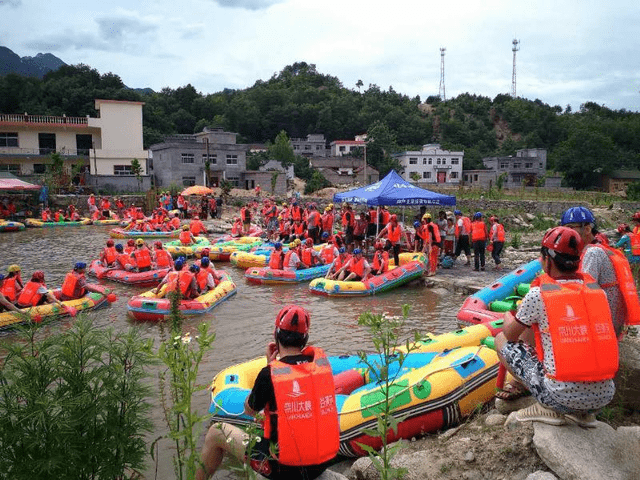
[(296, 392)]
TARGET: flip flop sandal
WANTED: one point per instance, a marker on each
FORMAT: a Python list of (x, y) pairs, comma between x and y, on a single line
[(539, 413), (512, 391)]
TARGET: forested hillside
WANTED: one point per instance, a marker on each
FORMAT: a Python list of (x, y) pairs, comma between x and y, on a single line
[(300, 100)]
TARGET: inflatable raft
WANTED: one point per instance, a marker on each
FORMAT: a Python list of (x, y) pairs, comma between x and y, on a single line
[(9, 226), (122, 233), (222, 251), (434, 390), (269, 276), (477, 307), (45, 312), (149, 307), (110, 221), (254, 231), (412, 266), (176, 248), (140, 279), (35, 223)]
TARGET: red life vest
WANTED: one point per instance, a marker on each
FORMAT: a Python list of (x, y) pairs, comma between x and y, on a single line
[(185, 237), (307, 257), (327, 222), (143, 258), (70, 285), (10, 288), (393, 234), (327, 253), (466, 226), (201, 278), (357, 266), (385, 216), (184, 281), (296, 212), (307, 420), (276, 259), (339, 262), (29, 296), (435, 233), (360, 227), (584, 342), (237, 228), (298, 228), (172, 281), (634, 239), (196, 227), (347, 219), (478, 231), (163, 258), (110, 255), (123, 260), (625, 282), (287, 259)]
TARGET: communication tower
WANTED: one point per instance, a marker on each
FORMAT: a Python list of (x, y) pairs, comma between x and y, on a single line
[(513, 75), (442, 92)]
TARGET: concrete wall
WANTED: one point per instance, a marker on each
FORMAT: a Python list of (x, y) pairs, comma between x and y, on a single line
[(253, 178), (117, 183)]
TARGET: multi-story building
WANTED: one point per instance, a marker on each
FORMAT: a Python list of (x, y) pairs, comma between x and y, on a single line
[(106, 144), (341, 148), (527, 168), (432, 164), (182, 159), (314, 145)]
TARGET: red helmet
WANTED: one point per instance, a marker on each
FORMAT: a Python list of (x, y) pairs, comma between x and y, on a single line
[(157, 244), (393, 218), (563, 240), (309, 241), (110, 243), (622, 227), (131, 242), (293, 318), (379, 245), (636, 216), (37, 276)]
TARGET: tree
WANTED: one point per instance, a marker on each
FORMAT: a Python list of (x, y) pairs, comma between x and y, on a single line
[(136, 169), (381, 142), (415, 176), (282, 150), (359, 84)]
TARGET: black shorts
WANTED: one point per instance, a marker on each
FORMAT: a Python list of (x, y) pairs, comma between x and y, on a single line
[(359, 238), (261, 461)]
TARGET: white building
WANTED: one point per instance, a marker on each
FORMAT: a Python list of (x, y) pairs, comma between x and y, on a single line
[(431, 165), (340, 148)]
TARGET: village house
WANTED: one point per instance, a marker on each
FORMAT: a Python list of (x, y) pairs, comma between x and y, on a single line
[(432, 164)]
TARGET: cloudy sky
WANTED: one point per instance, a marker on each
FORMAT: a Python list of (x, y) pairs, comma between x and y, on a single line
[(570, 52)]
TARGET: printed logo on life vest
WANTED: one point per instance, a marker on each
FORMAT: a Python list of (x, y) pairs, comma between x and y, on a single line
[(295, 390), (570, 315)]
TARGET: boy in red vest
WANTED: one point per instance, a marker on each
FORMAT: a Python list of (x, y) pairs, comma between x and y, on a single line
[(571, 368), (304, 425)]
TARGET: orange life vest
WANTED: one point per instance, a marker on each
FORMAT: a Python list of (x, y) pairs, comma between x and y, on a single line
[(185, 237), (276, 259), (478, 231), (163, 258), (327, 222), (339, 262), (70, 285), (434, 233), (29, 296), (237, 228), (499, 232), (196, 227), (298, 228), (625, 283), (123, 260), (172, 281), (201, 278), (385, 216), (634, 239), (307, 256), (296, 212), (327, 253), (184, 281), (287, 259), (347, 219), (357, 266), (307, 418), (110, 255), (10, 288), (393, 234), (466, 226), (143, 258), (381, 261), (584, 342)]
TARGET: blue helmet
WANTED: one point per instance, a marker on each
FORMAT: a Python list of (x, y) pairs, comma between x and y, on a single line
[(278, 246), (325, 234), (179, 263), (357, 251), (205, 262), (119, 247), (477, 215), (80, 266), (342, 250), (194, 268), (457, 212), (577, 215), (1, 276), (416, 224)]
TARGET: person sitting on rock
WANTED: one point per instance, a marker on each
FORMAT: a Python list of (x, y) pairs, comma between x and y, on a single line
[(571, 368)]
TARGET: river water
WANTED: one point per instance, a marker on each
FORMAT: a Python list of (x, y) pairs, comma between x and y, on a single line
[(243, 324)]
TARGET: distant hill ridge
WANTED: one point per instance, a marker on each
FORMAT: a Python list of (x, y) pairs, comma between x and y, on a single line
[(36, 66)]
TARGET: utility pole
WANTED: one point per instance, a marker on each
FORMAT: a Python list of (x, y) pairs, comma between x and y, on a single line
[(441, 92), (513, 75)]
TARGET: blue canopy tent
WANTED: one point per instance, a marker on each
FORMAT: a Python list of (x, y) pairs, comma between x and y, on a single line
[(393, 190)]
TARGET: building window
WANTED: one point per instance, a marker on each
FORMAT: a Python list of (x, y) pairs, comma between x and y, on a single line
[(454, 175), (413, 161), (516, 165), (39, 168), (424, 161), (342, 148), (122, 170), (11, 168), (188, 158), (444, 161), (235, 181), (8, 139), (426, 174), (307, 147), (439, 161), (213, 158), (296, 147), (318, 147), (455, 161), (466, 177), (528, 165), (232, 159), (504, 165), (430, 161), (188, 181), (540, 165), (475, 177)]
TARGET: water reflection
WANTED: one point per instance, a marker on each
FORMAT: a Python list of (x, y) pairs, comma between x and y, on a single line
[(243, 325)]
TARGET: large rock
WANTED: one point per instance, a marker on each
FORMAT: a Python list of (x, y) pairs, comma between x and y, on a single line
[(628, 378), (574, 453)]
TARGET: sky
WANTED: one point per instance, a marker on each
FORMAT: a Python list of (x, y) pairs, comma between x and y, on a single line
[(570, 51)]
